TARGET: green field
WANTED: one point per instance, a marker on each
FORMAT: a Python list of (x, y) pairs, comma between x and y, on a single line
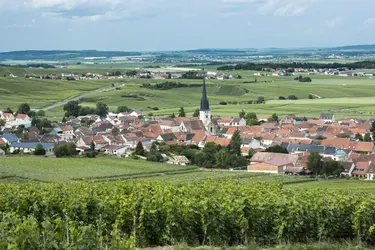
[(65, 170), (344, 96)]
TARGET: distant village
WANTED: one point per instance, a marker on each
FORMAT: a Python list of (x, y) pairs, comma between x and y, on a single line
[(131, 74), (348, 141)]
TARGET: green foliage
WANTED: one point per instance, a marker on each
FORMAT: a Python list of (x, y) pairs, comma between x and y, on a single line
[(139, 150), (242, 114), (144, 214), (181, 112), (282, 98), (23, 108), (273, 118), (196, 113), (292, 97), (315, 163), (122, 109), (169, 85), (40, 113), (39, 150), (359, 137), (367, 137), (2, 122), (102, 109), (311, 96), (277, 149), (332, 168), (66, 150), (260, 99), (41, 123), (172, 116), (235, 143), (72, 108)]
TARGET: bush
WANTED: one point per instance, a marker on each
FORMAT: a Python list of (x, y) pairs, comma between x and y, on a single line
[(282, 98), (66, 150), (39, 150), (292, 97), (223, 103)]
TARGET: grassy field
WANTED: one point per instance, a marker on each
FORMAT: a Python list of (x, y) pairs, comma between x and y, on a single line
[(26, 169), (65, 170), (344, 96)]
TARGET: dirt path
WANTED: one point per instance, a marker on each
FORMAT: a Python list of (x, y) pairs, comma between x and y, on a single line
[(319, 97)]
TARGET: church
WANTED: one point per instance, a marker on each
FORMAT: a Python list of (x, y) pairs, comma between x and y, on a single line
[(205, 113), (205, 121)]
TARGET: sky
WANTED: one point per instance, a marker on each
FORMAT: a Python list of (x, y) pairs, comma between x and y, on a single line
[(150, 25)]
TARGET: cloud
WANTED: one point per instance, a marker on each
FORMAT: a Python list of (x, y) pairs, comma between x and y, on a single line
[(370, 20), (22, 25), (91, 10), (333, 23), (284, 8)]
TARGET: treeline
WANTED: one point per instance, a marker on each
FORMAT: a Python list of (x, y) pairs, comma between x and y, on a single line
[(264, 66), (169, 85), (32, 65)]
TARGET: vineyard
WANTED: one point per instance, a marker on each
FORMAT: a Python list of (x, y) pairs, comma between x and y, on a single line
[(143, 213)]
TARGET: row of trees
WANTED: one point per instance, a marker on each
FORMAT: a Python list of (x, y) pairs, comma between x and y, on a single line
[(290, 97), (24, 108), (74, 109), (169, 85), (303, 79)]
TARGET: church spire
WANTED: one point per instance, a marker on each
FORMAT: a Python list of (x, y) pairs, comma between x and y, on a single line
[(205, 106)]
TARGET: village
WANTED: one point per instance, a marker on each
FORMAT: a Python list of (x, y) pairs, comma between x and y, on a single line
[(348, 141)]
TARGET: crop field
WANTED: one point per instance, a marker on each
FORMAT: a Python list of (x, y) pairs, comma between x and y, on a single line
[(23, 169), (150, 213), (344, 96)]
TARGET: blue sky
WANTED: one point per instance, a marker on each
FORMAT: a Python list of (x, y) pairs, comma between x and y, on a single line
[(183, 24)]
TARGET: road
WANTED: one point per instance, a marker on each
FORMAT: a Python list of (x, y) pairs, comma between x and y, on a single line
[(76, 98)]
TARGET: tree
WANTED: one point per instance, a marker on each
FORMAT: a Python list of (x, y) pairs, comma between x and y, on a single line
[(2, 122), (242, 114), (139, 150), (150, 114), (252, 122), (102, 109), (181, 112), (196, 113), (23, 108), (72, 108), (332, 168), (251, 116), (310, 96), (273, 118), (292, 97), (39, 150), (122, 109), (173, 116), (8, 110), (40, 113), (260, 99), (367, 137), (235, 143), (66, 150), (277, 149), (92, 146), (282, 97), (359, 137), (315, 163)]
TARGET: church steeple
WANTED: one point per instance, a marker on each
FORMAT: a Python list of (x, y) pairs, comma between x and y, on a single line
[(205, 106)]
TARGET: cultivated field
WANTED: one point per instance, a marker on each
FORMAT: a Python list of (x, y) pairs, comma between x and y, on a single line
[(344, 96)]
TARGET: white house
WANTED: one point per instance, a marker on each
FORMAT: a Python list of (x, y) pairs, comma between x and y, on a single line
[(327, 118), (114, 150), (66, 133), (238, 122)]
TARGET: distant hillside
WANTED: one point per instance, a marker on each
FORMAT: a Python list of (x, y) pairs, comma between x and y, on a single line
[(61, 54), (368, 47)]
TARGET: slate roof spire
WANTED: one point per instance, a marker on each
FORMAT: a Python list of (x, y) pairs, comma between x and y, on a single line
[(205, 106)]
